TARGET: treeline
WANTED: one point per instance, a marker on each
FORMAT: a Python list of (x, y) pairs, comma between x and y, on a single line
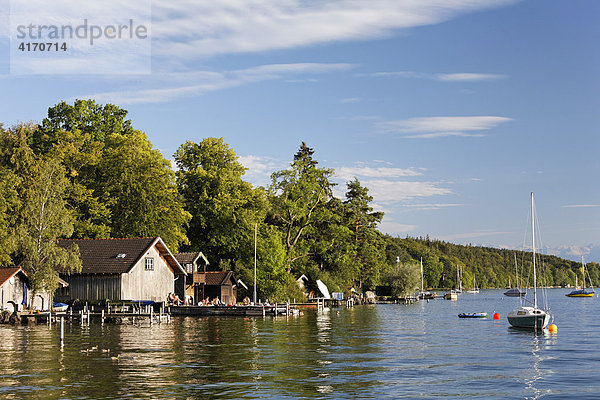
[(492, 267), (86, 172)]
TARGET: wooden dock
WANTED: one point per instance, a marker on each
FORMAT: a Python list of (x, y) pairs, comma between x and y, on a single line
[(238, 310)]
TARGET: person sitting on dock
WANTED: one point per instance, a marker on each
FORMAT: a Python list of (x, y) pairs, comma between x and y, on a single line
[(174, 299)]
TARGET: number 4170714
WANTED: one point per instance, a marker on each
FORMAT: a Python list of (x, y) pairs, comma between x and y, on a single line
[(35, 46)]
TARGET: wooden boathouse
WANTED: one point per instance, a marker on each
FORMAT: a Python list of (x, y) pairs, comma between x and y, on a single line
[(133, 269)]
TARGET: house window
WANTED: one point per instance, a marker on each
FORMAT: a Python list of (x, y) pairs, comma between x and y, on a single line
[(149, 264), (189, 267)]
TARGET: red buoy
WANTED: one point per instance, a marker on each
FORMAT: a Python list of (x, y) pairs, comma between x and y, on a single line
[(496, 316)]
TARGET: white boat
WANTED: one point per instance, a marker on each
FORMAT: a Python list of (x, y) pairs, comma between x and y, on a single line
[(582, 292), (526, 316), (516, 291), (458, 288), (423, 295), (475, 288)]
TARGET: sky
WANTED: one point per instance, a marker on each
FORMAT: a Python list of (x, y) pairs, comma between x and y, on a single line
[(450, 111)]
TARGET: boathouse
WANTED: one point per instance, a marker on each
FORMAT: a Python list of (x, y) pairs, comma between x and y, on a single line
[(220, 284), (16, 294), (132, 269), (194, 263)]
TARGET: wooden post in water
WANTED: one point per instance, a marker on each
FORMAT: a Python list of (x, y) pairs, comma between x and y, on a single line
[(151, 310), (88, 316), (62, 331), (81, 318), (275, 309), (102, 316), (263, 309)]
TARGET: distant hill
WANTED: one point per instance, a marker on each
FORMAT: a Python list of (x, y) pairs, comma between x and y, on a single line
[(493, 267)]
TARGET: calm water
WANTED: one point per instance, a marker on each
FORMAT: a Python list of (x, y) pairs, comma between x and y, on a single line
[(385, 351)]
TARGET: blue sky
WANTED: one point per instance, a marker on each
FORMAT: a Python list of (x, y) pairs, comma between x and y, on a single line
[(451, 112)]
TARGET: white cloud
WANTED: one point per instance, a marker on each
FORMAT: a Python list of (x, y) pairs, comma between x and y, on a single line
[(444, 77), (433, 127), (348, 100), (470, 235), (434, 206), (348, 173), (386, 191), (260, 169), (189, 29), (393, 228), (468, 77), (176, 85), (581, 205)]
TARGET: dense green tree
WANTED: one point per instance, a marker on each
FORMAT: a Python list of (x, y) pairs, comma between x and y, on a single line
[(224, 208), (142, 192), (46, 218), (298, 197), (9, 204), (120, 186), (404, 279), (369, 245)]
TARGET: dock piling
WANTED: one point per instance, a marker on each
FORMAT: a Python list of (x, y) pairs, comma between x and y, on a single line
[(62, 331)]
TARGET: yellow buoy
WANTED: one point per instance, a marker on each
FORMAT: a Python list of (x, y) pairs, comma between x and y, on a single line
[(552, 328)]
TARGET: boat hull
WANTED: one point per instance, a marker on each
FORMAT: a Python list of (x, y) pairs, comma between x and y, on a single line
[(472, 315), (450, 296), (515, 293), (529, 318), (580, 293)]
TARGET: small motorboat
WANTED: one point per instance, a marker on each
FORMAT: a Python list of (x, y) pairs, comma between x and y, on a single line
[(451, 296), (473, 315), (59, 307)]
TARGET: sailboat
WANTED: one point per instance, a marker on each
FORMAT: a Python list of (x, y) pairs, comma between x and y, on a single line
[(583, 292), (453, 294), (475, 288), (516, 291), (458, 280), (425, 295), (525, 316)]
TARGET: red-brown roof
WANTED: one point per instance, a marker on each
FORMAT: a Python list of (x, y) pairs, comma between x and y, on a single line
[(9, 272), (218, 277), (116, 256), (190, 258)]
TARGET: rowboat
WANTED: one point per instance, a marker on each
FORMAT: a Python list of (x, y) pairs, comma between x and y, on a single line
[(473, 315)]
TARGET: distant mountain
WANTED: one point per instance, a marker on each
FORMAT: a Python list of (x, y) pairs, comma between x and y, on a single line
[(590, 252)]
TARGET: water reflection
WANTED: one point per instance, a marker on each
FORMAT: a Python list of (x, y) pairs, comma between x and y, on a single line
[(384, 351)]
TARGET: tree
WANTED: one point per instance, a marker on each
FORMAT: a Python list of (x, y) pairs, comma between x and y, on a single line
[(404, 279), (224, 208), (120, 185), (298, 197), (369, 244), (46, 218), (142, 191), (9, 204)]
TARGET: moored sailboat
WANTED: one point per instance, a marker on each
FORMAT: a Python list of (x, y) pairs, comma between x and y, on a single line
[(422, 294), (583, 292), (516, 291), (525, 316)]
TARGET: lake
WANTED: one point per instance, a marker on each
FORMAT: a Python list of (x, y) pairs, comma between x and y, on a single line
[(381, 351)]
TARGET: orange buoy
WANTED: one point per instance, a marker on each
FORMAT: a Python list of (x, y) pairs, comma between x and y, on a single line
[(552, 328), (496, 316)]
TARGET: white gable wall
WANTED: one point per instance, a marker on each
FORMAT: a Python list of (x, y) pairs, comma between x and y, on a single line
[(141, 284)]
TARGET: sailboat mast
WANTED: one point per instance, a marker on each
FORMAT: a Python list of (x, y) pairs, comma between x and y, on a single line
[(255, 229), (421, 274), (533, 248)]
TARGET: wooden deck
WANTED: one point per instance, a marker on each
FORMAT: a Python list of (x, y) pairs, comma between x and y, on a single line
[(240, 311)]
